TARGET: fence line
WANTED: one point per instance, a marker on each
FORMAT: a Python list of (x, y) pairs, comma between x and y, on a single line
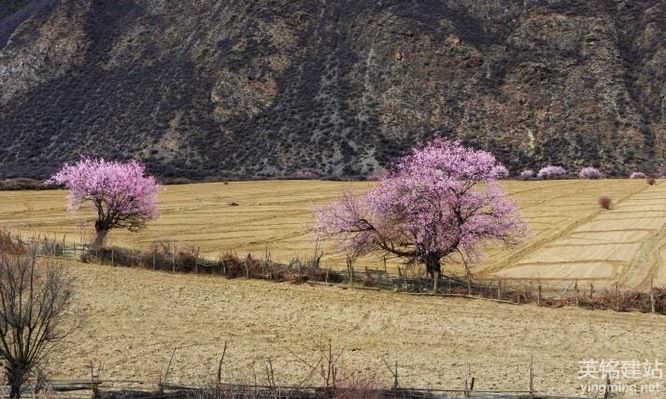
[(170, 257)]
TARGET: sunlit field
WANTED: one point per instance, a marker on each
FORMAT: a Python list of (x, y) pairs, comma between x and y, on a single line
[(571, 238), (137, 319)]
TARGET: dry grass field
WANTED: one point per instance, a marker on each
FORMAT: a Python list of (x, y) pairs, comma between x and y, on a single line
[(137, 317), (571, 239)]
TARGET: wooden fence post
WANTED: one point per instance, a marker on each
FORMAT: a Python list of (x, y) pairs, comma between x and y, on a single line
[(94, 381), (531, 377), (196, 261), (469, 381), (173, 257), (153, 257), (607, 391), (652, 301), (499, 289), (112, 257)]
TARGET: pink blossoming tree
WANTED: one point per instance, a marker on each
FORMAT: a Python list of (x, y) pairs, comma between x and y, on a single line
[(552, 172), (501, 172), (121, 194), (590, 173), (527, 174), (441, 201)]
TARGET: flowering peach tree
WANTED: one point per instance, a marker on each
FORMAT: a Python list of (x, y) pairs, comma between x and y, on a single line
[(441, 201), (501, 172), (527, 174), (590, 173), (552, 172), (121, 194)]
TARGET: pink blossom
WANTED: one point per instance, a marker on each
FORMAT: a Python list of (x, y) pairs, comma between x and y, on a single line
[(590, 173), (551, 172), (501, 172), (121, 194), (431, 208), (526, 174)]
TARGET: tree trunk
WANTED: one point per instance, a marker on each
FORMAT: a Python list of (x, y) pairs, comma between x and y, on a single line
[(100, 237), (16, 376), (433, 268)]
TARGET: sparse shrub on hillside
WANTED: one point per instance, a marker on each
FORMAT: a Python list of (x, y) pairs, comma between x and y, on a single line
[(590, 173), (501, 172), (552, 172), (651, 181), (637, 175), (174, 180), (527, 174), (121, 194), (605, 202), (21, 184), (431, 208)]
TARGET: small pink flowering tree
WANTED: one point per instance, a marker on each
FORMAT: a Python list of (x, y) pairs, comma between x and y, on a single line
[(441, 201), (121, 194), (590, 173), (527, 174), (501, 172), (551, 172)]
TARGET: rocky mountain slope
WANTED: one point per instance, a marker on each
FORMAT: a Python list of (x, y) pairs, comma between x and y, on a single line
[(311, 87)]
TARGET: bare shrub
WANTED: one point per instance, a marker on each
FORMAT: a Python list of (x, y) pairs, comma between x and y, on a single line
[(33, 301), (232, 266), (11, 244), (605, 202), (651, 181)]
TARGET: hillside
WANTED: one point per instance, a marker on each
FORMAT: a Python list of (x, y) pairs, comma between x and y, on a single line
[(278, 87)]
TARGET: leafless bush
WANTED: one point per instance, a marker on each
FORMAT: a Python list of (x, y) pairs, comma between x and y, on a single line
[(33, 301), (605, 202), (11, 244), (651, 181)]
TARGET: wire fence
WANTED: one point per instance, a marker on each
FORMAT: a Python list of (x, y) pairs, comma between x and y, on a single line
[(169, 256), (96, 388)]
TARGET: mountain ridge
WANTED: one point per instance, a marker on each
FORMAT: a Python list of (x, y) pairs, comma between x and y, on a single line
[(342, 88)]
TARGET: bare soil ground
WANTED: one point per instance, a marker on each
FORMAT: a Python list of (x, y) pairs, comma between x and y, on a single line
[(137, 317)]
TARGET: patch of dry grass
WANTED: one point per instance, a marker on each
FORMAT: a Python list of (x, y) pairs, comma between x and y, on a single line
[(274, 216), (137, 317)]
